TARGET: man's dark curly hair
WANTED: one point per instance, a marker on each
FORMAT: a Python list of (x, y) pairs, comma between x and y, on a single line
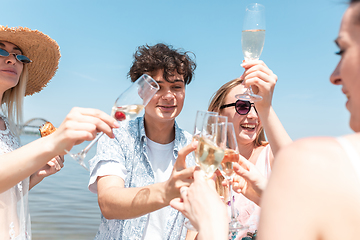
[(161, 56)]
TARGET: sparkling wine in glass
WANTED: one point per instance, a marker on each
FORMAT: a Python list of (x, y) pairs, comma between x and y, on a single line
[(252, 41), (212, 144), (211, 139), (226, 169), (199, 122), (126, 107)]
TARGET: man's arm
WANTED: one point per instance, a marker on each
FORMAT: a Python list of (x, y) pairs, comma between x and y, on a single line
[(118, 202)]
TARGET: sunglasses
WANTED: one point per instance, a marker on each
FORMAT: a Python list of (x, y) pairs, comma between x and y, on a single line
[(241, 107), (19, 57)]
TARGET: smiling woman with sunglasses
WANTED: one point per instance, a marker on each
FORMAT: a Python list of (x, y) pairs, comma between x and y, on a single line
[(251, 122)]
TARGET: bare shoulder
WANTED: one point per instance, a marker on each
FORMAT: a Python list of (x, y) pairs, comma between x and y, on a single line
[(308, 150), (318, 150), (313, 187), (321, 159)]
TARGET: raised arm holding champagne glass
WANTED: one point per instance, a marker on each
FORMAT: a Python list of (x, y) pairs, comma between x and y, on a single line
[(251, 122)]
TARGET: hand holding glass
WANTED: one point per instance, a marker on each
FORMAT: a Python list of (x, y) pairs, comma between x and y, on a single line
[(210, 132), (126, 107), (252, 41)]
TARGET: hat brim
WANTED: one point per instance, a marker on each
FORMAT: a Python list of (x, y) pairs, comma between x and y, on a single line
[(43, 51)]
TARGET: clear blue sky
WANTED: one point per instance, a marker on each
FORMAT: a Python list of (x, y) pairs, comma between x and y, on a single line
[(97, 40)]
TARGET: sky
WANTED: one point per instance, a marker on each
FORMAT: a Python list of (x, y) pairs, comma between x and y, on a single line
[(97, 40)]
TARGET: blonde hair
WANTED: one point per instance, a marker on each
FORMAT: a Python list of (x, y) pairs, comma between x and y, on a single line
[(218, 99), (12, 102)]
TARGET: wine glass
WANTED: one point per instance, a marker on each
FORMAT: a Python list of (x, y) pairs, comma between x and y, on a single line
[(211, 147), (126, 107), (226, 169), (199, 121), (252, 41), (212, 143)]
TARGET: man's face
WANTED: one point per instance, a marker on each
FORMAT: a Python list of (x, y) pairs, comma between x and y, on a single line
[(169, 100)]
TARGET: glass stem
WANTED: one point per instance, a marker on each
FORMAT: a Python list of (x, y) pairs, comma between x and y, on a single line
[(87, 148), (232, 209)]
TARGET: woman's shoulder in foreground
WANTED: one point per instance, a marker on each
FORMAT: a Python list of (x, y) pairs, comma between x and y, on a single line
[(321, 149), (313, 192), (321, 159)]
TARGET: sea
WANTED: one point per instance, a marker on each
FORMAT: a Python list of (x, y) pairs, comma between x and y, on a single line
[(61, 206)]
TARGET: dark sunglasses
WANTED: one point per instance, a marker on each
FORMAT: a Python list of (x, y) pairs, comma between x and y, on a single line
[(19, 57), (241, 107)]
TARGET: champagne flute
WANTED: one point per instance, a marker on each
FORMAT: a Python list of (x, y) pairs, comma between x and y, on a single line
[(211, 147), (199, 121), (212, 143), (226, 169), (126, 107), (252, 41)]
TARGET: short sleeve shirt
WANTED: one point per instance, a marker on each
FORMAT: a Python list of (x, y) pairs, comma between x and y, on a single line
[(128, 155)]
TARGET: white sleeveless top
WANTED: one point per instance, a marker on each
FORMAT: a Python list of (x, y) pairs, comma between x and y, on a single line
[(351, 152), (14, 214)]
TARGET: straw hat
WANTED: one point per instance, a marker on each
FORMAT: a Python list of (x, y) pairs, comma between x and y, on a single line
[(43, 51)]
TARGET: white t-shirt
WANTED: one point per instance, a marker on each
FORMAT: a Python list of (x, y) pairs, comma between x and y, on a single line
[(162, 161)]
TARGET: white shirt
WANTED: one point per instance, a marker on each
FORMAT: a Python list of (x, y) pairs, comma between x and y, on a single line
[(162, 161)]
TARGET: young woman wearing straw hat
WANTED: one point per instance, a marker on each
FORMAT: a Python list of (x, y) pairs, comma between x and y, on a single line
[(28, 60)]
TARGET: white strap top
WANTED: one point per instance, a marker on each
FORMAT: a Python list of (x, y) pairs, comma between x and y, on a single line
[(351, 152)]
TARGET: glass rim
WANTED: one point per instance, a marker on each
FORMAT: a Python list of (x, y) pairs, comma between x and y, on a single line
[(152, 80), (260, 6)]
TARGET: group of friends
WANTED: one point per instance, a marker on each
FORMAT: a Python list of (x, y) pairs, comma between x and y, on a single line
[(143, 172)]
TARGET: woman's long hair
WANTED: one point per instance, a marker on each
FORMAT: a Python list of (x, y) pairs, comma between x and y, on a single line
[(12, 103), (218, 100)]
